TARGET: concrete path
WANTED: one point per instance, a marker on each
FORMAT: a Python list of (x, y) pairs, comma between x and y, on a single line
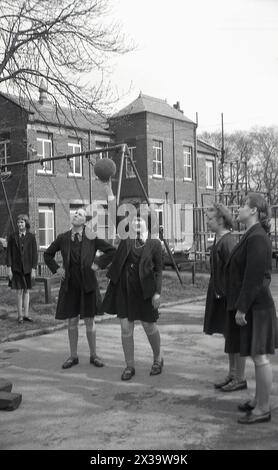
[(89, 408)]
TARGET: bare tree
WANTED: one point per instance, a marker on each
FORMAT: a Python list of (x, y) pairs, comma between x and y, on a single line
[(264, 169), (251, 161), (233, 171), (63, 42)]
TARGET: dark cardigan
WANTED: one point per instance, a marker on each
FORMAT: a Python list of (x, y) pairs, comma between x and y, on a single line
[(150, 266), (248, 271), (27, 259), (88, 252)]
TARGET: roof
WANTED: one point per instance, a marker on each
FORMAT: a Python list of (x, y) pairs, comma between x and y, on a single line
[(203, 147), (149, 104), (48, 113)]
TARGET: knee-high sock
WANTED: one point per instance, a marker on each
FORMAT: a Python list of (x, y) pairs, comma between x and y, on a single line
[(128, 348), (240, 362), (91, 336), (153, 335), (232, 365), (26, 299), (73, 338), (19, 303), (263, 386)]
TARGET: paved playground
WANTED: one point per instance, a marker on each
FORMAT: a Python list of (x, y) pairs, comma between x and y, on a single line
[(89, 408)]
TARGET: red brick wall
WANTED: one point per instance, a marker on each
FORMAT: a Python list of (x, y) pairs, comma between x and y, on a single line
[(14, 120), (60, 188), (131, 130), (160, 128), (26, 188)]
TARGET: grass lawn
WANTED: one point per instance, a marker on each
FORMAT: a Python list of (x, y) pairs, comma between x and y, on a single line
[(43, 315)]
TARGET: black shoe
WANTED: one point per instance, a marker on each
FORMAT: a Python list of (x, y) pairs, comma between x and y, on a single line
[(234, 385), (223, 382), (128, 373), (251, 418), (246, 406), (28, 319), (157, 367), (96, 361), (71, 361)]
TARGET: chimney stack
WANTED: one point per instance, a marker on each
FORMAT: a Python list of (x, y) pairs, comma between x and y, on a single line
[(43, 92), (177, 107)]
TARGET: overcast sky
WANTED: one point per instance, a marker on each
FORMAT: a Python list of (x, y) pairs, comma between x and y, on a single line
[(211, 55)]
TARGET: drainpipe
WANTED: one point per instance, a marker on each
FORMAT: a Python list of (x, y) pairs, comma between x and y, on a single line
[(196, 178), (174, 162)]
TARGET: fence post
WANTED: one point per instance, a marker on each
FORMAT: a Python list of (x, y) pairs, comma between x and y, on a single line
[(193, 271)]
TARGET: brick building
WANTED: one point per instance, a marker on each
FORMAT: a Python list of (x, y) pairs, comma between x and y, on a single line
[(50, 192), (161, 139), (175, 167)]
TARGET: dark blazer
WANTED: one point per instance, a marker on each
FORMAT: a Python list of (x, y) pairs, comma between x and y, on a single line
[(220, 253), (27, 258), (150, 266), (248, 272), (88, 252)]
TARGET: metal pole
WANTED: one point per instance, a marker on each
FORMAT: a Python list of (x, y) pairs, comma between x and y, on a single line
[(204, 227), (90, 171), (7, 203), (222, 150), (174, 162), (62, 157), (246, 177), (120, 177), (275, 222), (174, 179), (196, 164)]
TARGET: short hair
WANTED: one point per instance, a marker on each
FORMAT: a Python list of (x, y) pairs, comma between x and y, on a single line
[(87, 216), (263, 209), (25, 218), (222, 211)]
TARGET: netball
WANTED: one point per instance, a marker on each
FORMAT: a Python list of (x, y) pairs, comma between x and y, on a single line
[(104, 169)]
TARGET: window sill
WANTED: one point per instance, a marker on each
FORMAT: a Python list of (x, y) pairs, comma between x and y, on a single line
[(44, 173), (189, 180), (210, 187), (71, 175), (157, 177)]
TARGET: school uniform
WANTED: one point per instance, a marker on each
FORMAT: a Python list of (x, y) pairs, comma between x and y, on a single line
[(248, 277), (79, 291), (135, 276), (22, 257), (215, 312)]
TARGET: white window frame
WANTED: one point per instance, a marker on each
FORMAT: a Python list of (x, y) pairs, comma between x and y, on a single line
[(5, 144), (103, 228), (129, 172), (160, 210), (47, 209), (104, 154), (45, 170), (209, 174), (187, 163), (75, 147), (157, 158)]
